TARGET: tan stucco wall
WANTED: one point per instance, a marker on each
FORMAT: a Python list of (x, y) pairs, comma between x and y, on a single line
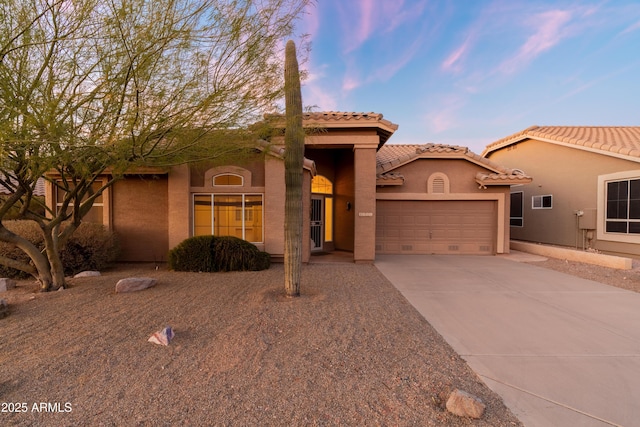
[(570, 175), (364, 207), (179, 205), (140, 217), (274, 198), (460, 175)]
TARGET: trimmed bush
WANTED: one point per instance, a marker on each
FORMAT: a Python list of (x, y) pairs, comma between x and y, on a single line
[(217, 253), (91, 247)]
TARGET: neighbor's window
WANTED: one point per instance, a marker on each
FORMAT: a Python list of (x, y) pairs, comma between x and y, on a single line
[(517, 208), (623, 206), (542, 202), (228, 179), (238, 215)]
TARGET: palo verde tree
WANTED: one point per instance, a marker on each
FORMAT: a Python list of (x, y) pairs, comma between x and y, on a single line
[(92, 88), (293, 163)]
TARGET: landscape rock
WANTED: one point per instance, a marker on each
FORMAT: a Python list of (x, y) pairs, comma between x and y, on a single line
[(87, 273), (463, 404), (4, 308), (133, 284), (6, 284), (162, 337)]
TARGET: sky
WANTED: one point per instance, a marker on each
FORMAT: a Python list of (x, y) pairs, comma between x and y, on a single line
[(470, 72)]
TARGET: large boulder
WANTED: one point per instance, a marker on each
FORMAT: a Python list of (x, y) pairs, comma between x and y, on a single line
[(6, 284), (463, 404), (133, 284), (87, 273)]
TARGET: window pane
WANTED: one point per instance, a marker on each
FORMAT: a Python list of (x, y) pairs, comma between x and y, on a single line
[(623, 190), (202, 215), (634, 227), (616, 227), (546, 201), (94, 215), (634, 189), (634, 209), (536, 202), (516, 204), (321, 185), (515, 222), (224, 216), (328, 219), (253, 218), (227, 179)]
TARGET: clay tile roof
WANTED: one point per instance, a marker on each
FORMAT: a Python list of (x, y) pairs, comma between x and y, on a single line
[(610, 140), (341, 116), (38, 190), (390, 176), (391, 156)]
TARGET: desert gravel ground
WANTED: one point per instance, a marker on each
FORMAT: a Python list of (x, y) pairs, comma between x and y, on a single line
[(350, 351), (625, 279)]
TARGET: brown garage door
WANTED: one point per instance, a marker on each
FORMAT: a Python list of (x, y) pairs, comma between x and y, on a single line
[(436, 227)]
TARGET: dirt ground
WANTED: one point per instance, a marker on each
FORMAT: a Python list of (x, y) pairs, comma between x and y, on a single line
[(625, 279), (349, 351)]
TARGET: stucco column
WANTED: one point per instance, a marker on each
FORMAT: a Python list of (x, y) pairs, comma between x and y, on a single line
[(364, 248), (178, 201)]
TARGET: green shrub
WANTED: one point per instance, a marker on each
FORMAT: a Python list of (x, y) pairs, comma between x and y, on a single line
[(217, 253), (91, 247)]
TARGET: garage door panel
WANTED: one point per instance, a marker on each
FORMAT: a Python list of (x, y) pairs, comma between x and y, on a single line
[(436, 227)]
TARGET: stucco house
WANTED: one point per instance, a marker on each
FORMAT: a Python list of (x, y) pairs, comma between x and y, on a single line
[(586, 192), (363, 196)]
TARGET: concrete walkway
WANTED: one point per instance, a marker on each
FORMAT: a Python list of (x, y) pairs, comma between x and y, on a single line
[(560, 350)]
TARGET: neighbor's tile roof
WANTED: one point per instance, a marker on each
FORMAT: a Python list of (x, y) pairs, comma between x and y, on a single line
[(392, 156), (610, 140), (38, 190)]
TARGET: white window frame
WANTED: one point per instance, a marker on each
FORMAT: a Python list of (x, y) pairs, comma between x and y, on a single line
[(537, 202), (601, 213)]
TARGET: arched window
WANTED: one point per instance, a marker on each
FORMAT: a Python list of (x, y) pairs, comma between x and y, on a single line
[(228, 179), (321, 185)]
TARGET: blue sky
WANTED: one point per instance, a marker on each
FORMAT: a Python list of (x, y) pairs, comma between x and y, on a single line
[(469, 72)]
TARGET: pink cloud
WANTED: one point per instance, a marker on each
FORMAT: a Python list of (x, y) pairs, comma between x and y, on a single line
[(550, 30), (453, 61)]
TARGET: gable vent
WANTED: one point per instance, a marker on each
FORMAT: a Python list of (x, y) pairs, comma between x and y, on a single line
[(437, 186)]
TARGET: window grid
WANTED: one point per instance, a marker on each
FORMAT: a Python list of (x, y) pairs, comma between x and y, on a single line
[(239, 215), (623, 207)]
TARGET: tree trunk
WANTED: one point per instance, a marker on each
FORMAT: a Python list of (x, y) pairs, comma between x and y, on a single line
[(55, 273), (42, 270), (293, 164)]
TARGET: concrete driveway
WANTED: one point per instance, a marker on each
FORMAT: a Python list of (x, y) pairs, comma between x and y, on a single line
[(560, 350)]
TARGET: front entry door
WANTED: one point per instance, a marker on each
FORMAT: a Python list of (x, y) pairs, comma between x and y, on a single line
[(317, 222)]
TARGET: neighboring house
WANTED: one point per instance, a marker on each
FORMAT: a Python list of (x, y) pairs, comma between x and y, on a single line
[(361, 195), (586, 192)]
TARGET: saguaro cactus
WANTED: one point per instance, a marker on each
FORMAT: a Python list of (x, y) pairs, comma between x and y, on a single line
[(293, 175)]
